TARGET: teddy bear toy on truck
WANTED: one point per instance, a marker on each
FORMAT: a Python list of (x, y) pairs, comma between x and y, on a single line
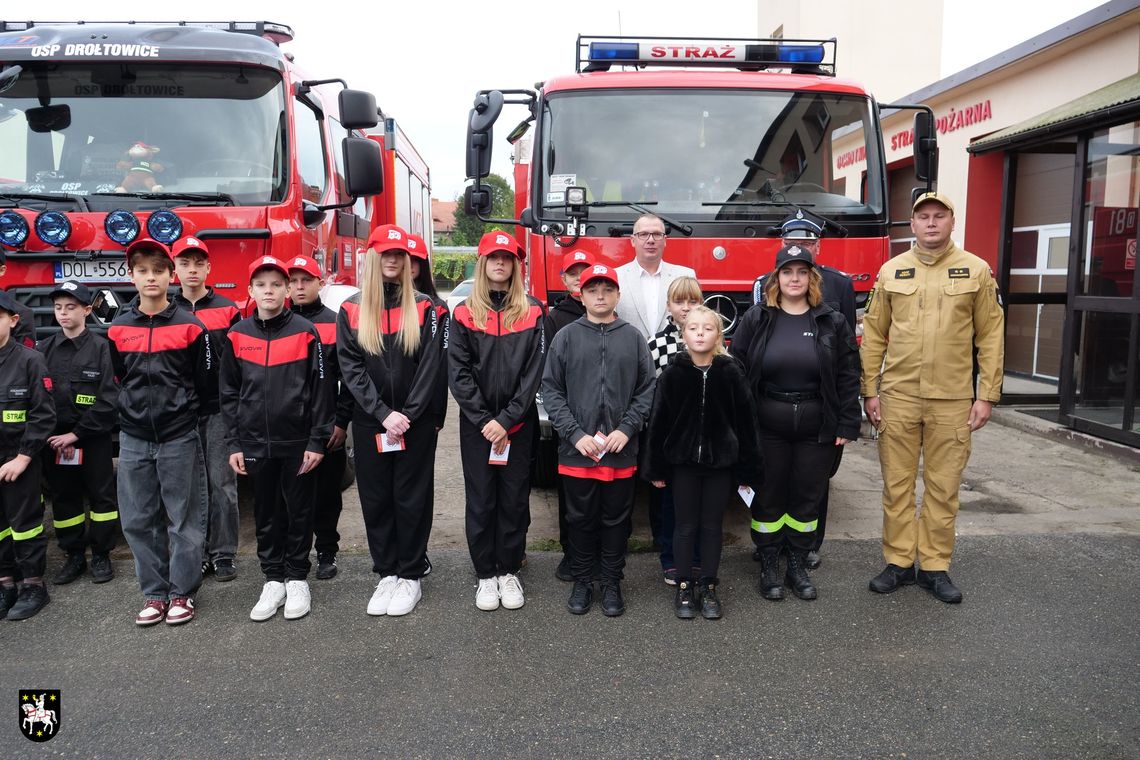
[(141, 169)]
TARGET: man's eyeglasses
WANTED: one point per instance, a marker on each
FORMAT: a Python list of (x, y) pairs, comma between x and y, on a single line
[(643, 236)]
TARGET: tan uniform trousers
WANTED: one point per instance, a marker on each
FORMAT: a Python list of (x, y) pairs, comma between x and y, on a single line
[(939, 430)]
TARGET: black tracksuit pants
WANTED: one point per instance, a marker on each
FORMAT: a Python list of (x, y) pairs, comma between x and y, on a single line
[(796, 470), (23, 545), (396, 499), (329, 502), (283, 513), (824, 499), (498, 499), (94, 479), (700, 495), (598, 515)]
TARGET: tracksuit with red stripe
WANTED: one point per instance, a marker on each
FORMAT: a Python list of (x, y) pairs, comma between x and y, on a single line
[(27, 416), (494, 373), (330, 472), (218, 314), (394, 487), (598, 379), (278, 404), (165, 368)]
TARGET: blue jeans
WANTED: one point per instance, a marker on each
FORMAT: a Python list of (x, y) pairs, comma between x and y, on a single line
[(222, 527), (162, 506)]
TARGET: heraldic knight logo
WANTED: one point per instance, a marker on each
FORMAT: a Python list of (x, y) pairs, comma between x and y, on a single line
[(39, 713)]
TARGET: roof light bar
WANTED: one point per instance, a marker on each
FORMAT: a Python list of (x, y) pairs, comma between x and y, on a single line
[(270, 30), (799, 55)]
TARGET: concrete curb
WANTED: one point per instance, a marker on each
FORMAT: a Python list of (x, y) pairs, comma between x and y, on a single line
[(1014, 417)]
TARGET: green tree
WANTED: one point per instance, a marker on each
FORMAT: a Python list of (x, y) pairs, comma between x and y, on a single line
[(468, 229)]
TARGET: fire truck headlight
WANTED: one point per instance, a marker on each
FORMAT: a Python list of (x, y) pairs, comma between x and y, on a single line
[(53, 227), (121, 226), (13, 229), (164, 226)]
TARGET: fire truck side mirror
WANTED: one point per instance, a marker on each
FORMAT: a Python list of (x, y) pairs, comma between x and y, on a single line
[(357, 109), (480, 122), (363, 167), (477, 202), (478, 155), (925, 148), (488, 106)]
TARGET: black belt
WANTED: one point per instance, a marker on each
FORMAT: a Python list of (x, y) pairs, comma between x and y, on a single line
[(793, 398)]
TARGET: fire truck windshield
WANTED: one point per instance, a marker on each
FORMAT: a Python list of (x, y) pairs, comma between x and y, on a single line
[(709, 155), (106, 128)]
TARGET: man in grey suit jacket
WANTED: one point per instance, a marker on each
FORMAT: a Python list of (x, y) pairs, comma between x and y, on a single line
[(644, 282)]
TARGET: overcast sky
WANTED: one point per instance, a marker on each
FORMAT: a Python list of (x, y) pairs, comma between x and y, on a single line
[(425, 59)]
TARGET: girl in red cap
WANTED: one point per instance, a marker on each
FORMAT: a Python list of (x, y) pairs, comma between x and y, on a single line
[(494, 367), (390, 343)]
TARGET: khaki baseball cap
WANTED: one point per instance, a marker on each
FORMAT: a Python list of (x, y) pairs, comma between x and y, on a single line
[(934, 198)]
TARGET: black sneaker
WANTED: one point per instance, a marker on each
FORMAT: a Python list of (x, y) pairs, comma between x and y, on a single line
[(207, 568), (581, 598), (684, 603), (938, 583), (30, 600), (891, 578), (8, 596), (710, 603), (612, 603), (326, 566), (101, 568), (224, 570), (74, 567), (562, 572)]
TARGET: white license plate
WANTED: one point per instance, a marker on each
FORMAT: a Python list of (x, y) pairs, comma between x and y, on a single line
[(92, 271)]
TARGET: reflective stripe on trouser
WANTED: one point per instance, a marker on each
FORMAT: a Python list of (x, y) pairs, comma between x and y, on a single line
[(73, 489), (938, 430), (23, 545), (791, 522)]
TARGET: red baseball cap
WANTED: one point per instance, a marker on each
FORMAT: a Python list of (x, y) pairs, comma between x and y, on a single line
[(148, 244), (388, 237), (189, 244), (306, 265), (576, 257), (267, 262), (498, 241), (599, 272), (417, 247)]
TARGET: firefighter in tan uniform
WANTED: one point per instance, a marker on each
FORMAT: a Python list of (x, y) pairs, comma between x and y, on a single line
[(930, 308)]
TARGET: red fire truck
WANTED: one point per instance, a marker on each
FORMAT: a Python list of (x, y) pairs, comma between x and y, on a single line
[(721, 138), (114, 131)]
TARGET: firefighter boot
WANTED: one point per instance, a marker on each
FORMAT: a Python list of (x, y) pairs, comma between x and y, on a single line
[(797, 578), (770, 586)]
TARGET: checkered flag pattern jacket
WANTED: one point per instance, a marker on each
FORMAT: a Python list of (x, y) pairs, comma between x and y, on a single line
[(664, 346)]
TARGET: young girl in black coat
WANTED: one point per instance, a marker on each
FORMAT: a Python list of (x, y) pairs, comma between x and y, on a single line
[(703, 442)]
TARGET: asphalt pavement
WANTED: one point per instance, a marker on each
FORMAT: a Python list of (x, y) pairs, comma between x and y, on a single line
[(1042, 660)]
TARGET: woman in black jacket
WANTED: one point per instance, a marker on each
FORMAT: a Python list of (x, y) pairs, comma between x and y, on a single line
[(702, 442), (802, 364)]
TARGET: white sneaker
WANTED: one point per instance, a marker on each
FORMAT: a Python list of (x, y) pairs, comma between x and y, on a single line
[(511, 591), (382, 596), (298, 602), (272, 597), (487, 595), (405, 598)]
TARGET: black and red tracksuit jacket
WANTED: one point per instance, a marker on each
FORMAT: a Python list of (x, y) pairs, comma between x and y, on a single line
[(494, 372), (27, 411), (166, 371), (392, 380), (274, 393), (324, 320), (218, 314)]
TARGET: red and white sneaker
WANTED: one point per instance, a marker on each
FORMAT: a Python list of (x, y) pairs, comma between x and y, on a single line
[(181, 610), (154, 611)]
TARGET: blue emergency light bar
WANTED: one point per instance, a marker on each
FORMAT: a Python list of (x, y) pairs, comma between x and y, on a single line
[(801, 56)]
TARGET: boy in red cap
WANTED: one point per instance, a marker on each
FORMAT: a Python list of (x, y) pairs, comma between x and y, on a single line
[(279, 413), (162, 357), (78, 458), (495, 364), (28, 417), (598, 389), (568, 309), (305, 283), (218, 314)]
